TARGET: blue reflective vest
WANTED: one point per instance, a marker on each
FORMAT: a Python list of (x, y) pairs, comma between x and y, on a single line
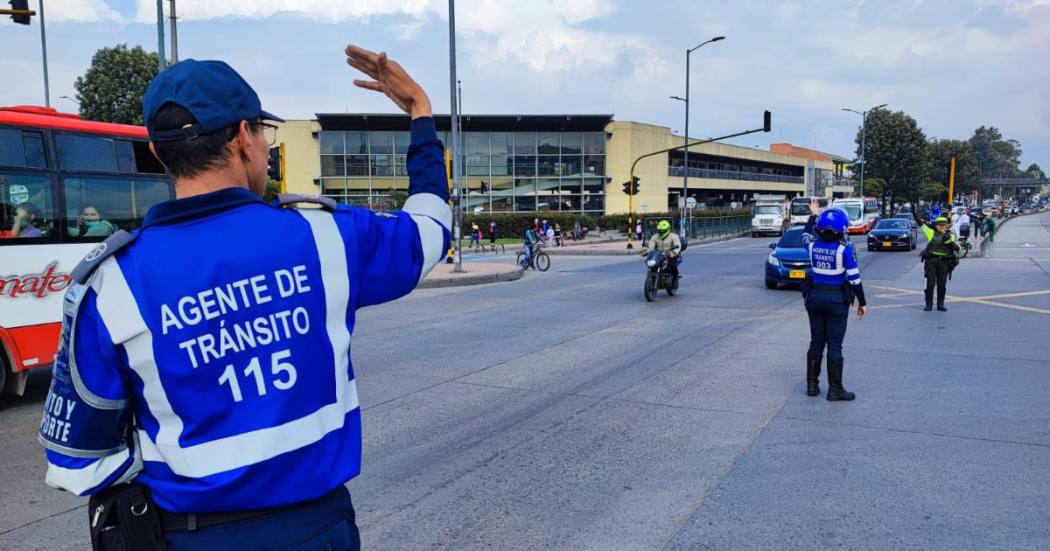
[(210, 358)]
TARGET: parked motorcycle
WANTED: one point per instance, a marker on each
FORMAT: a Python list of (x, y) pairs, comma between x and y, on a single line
[(659, 275)]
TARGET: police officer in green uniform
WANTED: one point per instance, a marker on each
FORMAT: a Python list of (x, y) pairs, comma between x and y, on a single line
[(940, 258)]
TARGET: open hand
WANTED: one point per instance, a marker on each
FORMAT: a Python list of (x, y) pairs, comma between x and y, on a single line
[(389, 78), (862, 311), (814, 206)]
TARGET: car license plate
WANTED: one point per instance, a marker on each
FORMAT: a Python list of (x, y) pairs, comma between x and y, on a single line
[(887, 244), (797, 274)]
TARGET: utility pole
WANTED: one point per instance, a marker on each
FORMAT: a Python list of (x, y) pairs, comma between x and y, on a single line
[(457, 212), (174, 35), (863, 139), (161, 60), (43, 49)]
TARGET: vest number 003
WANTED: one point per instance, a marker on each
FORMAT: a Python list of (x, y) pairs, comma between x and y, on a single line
[(282, 373)]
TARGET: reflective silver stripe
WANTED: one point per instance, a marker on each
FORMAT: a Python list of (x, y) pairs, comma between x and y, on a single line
[(120, 312), (433, 219), (72, 452), (241, 450), (428, 204), (76, 293), (432, 239), (81, 480)]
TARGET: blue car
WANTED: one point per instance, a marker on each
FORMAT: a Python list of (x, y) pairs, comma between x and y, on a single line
[(788, 262)]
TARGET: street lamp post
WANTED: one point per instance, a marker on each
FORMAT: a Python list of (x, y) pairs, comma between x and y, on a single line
[(685, 163), (457, 214), (863, 139)]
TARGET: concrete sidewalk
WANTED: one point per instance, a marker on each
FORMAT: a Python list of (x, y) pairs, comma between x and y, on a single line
[(474, 273)]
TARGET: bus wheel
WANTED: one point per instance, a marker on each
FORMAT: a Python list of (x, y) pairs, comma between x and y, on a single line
[(3, 376)]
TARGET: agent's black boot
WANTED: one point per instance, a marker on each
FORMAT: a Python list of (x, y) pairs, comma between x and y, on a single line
[(940, 304), (929, 301), (813, 375), (835, 390)]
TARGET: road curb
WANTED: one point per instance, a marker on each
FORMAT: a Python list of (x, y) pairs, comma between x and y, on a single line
[(478, 279)]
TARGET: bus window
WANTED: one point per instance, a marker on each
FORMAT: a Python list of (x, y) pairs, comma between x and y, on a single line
[(26, 209), (98, 206), (90, 153), (22, 149)]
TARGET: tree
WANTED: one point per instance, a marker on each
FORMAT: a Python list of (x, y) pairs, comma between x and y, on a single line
[(895, 151), (874, 187), (933, 192), (996, 157), (938, 162), (1033, 171), (273, 187), (112, 88)]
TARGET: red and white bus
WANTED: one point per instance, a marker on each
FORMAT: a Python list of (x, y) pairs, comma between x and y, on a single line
[(65, 184)]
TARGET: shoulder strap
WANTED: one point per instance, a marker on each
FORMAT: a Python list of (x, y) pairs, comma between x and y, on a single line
[(285, 199), (101, 252)]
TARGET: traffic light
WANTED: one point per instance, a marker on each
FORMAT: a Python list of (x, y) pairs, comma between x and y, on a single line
[(636, 185), (627, 188), (273, 171), (767, 121), (20, 5)]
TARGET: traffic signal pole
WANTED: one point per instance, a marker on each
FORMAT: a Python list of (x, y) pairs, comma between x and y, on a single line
[(766, 125), (21, 14)]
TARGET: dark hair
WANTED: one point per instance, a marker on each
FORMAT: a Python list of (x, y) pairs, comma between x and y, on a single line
[(829, 235), (30, 209), (187, 158)]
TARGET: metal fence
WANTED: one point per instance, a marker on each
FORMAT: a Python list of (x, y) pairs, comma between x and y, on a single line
[(703, 227), (734, 175)]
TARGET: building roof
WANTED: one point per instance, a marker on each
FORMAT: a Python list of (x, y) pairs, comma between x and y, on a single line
[(796, 151), (471, 123)]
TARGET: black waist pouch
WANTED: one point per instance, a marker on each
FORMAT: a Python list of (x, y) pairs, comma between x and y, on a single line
[(124, 518), (848, 296)]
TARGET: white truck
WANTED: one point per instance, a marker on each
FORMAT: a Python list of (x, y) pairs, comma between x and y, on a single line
[(769, 215)]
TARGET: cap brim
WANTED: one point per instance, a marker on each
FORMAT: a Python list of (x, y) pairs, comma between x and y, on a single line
[(267, 116)]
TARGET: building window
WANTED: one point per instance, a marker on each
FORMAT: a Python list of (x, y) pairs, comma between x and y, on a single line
[(504, 171)]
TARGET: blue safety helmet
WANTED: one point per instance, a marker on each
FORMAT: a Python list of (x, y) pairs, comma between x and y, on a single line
[(832, 224)]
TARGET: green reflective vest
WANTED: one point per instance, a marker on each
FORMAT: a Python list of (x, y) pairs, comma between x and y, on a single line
[(940, 244)]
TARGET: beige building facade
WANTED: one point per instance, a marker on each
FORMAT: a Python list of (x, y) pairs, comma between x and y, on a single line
[(538, 163)]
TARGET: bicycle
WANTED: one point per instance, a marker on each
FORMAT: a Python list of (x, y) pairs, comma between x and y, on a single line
[(539, 260), (964, 241)]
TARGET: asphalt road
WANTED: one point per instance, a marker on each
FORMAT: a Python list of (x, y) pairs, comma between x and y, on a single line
[(562, 411)]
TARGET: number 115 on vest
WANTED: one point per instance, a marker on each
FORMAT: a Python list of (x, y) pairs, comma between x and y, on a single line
[(281, 375)]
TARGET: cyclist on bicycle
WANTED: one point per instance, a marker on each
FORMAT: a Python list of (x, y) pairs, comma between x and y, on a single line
[(529, 246)]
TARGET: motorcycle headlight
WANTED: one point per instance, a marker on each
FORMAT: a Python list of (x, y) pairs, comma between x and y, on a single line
[(774, 260), (650, 263)]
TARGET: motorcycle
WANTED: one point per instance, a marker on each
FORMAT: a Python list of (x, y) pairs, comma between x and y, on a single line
[(659, 275)]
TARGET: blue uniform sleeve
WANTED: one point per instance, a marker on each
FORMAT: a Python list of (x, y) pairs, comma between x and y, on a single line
[(393, 252), (849, 261), (86, 424)]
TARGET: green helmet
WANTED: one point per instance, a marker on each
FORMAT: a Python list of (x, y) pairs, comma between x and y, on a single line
[(940, 220), (663, 228)]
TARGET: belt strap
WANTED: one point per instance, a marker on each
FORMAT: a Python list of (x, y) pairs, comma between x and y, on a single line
[(189, 522), (828, 287)]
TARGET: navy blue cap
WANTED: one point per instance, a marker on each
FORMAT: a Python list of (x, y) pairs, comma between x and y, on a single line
[(210, 90)]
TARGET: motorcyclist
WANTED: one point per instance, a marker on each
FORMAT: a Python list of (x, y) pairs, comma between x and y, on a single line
[(667, 242)]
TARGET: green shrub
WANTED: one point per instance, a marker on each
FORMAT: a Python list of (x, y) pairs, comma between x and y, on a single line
[(515, 224)]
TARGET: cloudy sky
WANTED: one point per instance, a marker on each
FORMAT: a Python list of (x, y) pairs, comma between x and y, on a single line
[(952, 64)]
